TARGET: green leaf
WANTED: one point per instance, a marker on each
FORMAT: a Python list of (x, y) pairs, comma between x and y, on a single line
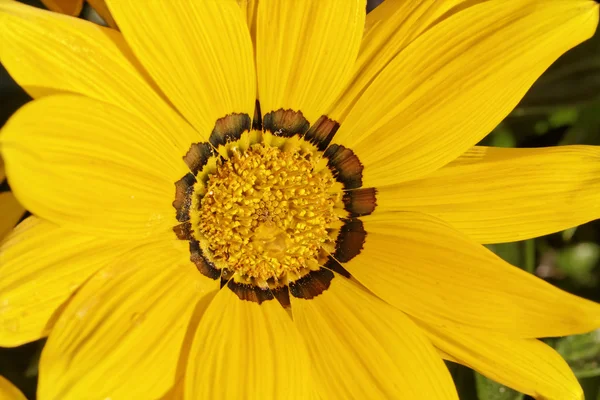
[(487, 389), (577, 261), (582, 352)]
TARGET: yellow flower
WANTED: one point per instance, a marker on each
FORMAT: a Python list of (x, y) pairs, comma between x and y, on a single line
[(322, 242), (8, 391), (74, 7)]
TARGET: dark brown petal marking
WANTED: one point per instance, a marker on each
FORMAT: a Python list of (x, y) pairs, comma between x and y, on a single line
[(312, 284), (198, 155), (321, 132), (282, 295), (250, 292), (184, 231), (4, 187), (257, 120), (333, 265), (183, 197), (285, 123), (345, 166), (229, 128), (360, 202), (204, 266), (350, 240)]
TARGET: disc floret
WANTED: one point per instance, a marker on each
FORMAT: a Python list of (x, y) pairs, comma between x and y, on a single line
[(266, 212)]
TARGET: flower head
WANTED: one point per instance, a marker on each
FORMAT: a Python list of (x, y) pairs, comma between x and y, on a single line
[(281, 199)]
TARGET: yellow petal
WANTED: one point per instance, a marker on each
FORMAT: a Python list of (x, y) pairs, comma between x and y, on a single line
[(8, 391), (456, 82), (362, 348), (92, 166), (389, 28), (47, 53), (102, 10), (503, 195), (427, 269), (305, 52), (69, 7), (120, 336), (243, 350), (41, 265), (526, 365), (250, 11), (11, 212), (199, 53)]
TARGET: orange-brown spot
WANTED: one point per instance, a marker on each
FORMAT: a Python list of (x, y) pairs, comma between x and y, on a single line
[(183, 197), (285, 123), (321, 132), (345, 165), (350, 240), (198, 155), (312, 284), (360, 202), (229, 129)]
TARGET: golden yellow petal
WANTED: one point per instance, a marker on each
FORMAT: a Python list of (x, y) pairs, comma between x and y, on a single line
[(69, 7), (11, 212), (198, 52), (389, 28), (305, 52), (526, 365), (362, 348), (92, 166), (503, 195), (427, 269), (250, 11), (456, 82), (42, 265), (8, 391), (243, 350), (120, 336), (49, 53)]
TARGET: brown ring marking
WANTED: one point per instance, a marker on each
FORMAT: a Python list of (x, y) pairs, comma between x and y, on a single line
[(335, 266), (198, 155), (184, 231), (285, 123), (229, 129), (360, 202), (321, 132), (250, 292), (350, 240), (257, 120), (345, 166), (183, 197), (312, 284), (205, 267)]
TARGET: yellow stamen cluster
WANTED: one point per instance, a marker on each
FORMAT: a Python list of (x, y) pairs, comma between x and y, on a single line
[(266, 212)]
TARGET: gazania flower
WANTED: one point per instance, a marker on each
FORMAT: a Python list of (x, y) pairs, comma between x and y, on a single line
[(8, 391), (74, 7), (321, 241)]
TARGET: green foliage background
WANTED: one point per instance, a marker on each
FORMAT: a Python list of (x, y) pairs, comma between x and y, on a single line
[(562, 108)]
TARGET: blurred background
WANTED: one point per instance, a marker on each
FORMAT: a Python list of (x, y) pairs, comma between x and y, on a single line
[(562, 108)]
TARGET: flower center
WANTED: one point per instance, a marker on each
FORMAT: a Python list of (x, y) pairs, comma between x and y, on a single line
[(266, 213)]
